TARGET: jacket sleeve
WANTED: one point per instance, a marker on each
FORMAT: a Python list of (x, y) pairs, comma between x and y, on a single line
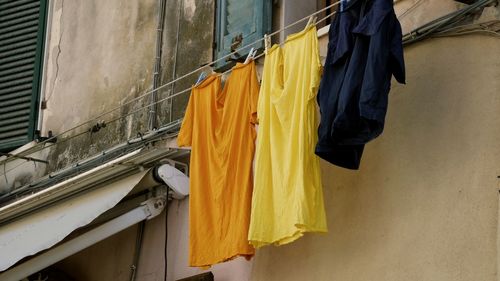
[(397, 57), (186, 132), (377, 27)]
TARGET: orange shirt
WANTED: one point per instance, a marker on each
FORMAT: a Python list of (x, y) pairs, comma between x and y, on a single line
[(219, 127)]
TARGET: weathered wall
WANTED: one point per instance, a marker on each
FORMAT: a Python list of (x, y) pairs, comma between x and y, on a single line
[(187, 45), (100, 54), (424, 204)]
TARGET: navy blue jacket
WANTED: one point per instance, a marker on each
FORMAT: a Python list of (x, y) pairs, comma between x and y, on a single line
[(364, 51)]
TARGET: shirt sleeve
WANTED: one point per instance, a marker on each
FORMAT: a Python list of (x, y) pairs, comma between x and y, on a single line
[(186, 132), (254, 98)]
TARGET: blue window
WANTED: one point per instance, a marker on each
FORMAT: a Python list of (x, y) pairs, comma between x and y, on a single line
[(238, 23)]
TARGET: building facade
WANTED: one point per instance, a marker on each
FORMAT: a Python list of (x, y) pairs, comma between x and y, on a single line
[(423, 206)]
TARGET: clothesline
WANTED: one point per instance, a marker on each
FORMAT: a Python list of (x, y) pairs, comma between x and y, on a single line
[(278, 204), (161, 100), (49, 140)]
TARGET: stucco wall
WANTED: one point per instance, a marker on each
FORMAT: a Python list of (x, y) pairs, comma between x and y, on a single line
[(100, 54), (152, 256), (187, 46), (424, 204)]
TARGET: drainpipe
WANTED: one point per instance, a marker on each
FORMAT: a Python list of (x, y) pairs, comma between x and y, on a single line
[(174, 68), (157, 68)]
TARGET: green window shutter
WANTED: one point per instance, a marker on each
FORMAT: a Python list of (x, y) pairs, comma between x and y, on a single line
[(22, 34), (238, 23)]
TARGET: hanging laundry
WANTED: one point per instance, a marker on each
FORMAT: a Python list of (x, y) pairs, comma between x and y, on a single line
[(364, 51), (219, 127), (287, 197)]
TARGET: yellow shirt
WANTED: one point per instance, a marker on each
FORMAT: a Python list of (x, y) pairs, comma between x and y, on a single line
[(219, 127), (287, 196)]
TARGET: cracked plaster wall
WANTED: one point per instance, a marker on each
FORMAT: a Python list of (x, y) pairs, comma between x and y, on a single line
[(100, 55)]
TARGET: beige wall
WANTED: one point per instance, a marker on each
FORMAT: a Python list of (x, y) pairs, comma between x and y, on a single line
[(152, 259), (109, 259), (424, 204)]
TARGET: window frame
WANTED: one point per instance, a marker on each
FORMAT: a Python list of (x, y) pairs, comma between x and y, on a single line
[(32, 132)]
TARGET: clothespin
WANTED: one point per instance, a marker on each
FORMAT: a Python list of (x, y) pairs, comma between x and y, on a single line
[(267, 42), (202, 77), (251, 55), (312, 20)]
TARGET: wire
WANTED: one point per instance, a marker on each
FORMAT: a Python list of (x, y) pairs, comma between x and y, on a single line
[(436, 25), (5, 171), (29, 151), (489, 32), (165, 250), (137, 251), (416, 4), (466, 28), (159, 101)]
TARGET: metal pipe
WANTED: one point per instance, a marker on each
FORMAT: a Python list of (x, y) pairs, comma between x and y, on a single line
[(138, 248), (174, 67), (157, 67)]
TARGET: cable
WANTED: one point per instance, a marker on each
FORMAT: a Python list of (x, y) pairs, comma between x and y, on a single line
[(475, 27), (29, 151), (137, 251), (410, 9), (489, 32), (165, 256), (435, 25)]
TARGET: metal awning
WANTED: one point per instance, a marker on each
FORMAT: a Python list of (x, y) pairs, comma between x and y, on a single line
[(45, 228), (42, 220)]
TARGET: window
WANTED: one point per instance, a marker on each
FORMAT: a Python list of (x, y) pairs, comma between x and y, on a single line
[(22, 34), (238, 23)]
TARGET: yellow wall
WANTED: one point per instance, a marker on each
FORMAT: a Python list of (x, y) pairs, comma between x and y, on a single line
[(423, 205)]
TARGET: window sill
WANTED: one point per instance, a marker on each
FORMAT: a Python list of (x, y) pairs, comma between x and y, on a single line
[(323, 31)]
